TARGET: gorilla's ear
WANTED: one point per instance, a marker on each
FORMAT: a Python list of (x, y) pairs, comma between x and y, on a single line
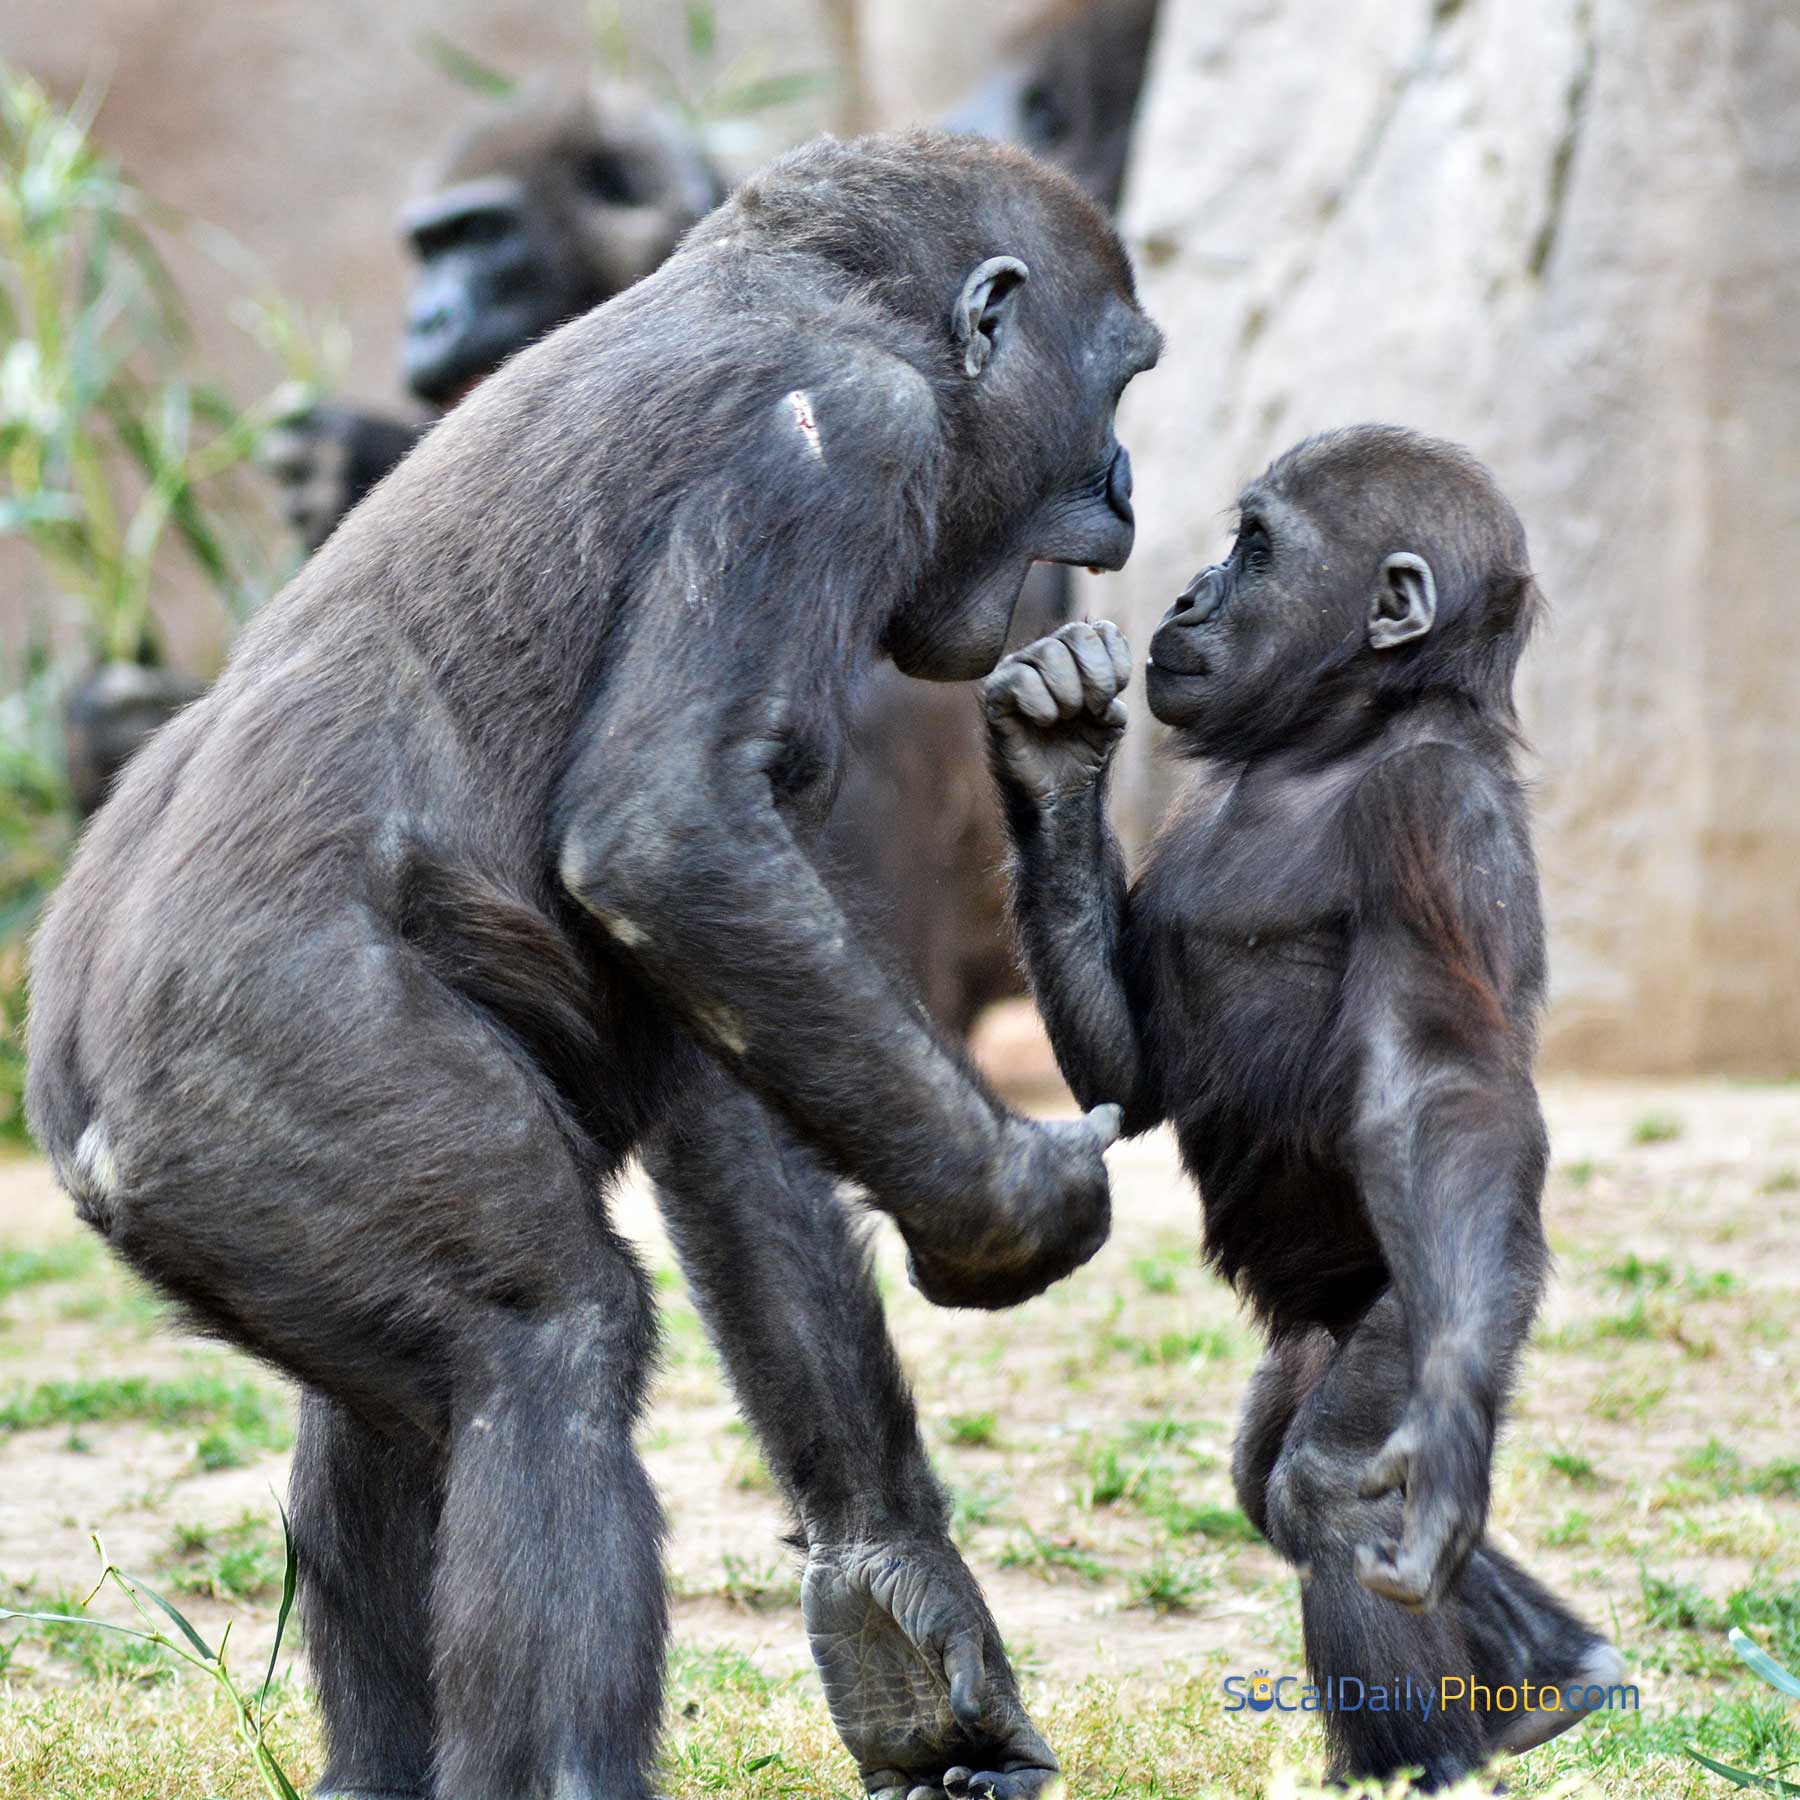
[(1404, 605), (984, 307)]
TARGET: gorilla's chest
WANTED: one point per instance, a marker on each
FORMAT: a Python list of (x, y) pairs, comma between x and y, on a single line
[(1240, 940)]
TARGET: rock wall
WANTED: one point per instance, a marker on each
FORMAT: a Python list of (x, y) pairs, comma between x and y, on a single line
[(1566, 232)]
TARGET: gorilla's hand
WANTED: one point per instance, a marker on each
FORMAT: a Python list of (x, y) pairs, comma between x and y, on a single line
[(916, 1676), (1439, 1456), (1053, 709), (1053, 1212), (325, 460)]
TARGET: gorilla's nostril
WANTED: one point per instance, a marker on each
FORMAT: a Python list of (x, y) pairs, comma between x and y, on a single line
[(1199, 600)]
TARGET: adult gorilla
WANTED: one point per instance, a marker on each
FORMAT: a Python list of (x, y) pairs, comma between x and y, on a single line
[(390, 950)]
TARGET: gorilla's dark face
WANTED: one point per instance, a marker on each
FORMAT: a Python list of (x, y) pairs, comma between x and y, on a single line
[(1047, 374), (1329, 604), (1246, 632), (540, 213)]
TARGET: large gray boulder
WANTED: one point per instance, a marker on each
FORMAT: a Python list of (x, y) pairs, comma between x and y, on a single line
[(1566, 232)]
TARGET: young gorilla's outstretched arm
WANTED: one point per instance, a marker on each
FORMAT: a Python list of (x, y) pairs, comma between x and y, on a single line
[(1055, 717), (1448, 1141), (910, 1658)]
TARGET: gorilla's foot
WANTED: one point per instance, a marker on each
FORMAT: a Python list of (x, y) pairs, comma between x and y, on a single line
[(1603, 1668), (916, 1676)]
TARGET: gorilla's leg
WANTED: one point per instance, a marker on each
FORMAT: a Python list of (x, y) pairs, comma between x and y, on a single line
[(549, 1612), (910, 1658), (1498, 1627), (411, 1223), (1287, 1374), (365, 1506)]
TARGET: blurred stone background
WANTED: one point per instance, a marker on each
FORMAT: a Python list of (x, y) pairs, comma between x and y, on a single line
[(1566, 232)]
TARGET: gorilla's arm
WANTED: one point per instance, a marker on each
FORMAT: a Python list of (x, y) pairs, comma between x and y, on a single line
[(789, 1298), (1054, 720), (1448, 1142), (675, 831)]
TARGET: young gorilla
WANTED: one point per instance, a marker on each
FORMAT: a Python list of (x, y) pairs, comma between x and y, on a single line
[(1327, 977), (388, 951)]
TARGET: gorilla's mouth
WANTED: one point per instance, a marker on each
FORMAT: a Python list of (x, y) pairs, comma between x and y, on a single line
[(1177, 658)]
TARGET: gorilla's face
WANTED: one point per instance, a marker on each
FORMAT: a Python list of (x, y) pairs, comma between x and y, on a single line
[(1048, 479), (548, 209)]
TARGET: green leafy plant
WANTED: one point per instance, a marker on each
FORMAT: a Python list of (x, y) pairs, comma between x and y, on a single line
[(113, 455), (714, 96), (250, 1716), (1760, 1662), (36, 829), (109, 446)]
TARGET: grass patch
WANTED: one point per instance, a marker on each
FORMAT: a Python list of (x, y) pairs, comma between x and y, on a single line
[(1046, 1558), (975, 1507), (1634, 1271), (1171, 1584), (242, 1561), (1572, 1468), (68, 1261), (758, 1586), (1656, 1128), (236, 1419), (1222, 1524), (973, 1431), (1160, 1274), (1720, 1469), (1171, 1349)]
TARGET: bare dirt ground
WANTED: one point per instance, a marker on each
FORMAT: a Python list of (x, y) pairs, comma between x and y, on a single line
[(1651, 1467)]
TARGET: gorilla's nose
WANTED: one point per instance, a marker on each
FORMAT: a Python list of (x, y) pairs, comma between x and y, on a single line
[(1118, 485), (1199, 600)]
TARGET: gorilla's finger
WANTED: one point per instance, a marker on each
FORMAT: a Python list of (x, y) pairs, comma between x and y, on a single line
[(1016, 1784), (1116, 647), (1106, 1121), (1055, 662), (1099, 679), (1386, 1471), (1016, 686), (1396, 1574), (1116, 715), (966, 1671)]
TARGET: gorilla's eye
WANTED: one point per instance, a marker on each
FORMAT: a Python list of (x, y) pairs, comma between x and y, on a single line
[(1253, 549), (1043, 116), (606, 179)]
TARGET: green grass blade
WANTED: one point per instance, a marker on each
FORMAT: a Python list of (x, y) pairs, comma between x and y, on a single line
[(289, 1581), (44, 1618), (1768, 1784), (288, 1790), (767, 91), (1755, 1657), (467, 69), (138, 1585)]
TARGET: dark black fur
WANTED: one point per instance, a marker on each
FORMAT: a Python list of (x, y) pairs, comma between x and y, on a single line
[(559, 708), (1327, 977), (511, 235)]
